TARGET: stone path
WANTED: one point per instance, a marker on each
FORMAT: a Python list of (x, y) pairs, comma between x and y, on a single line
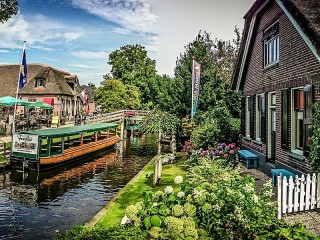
[(311, 219)]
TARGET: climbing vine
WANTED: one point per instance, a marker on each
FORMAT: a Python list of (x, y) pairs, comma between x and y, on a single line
[(315, 144)]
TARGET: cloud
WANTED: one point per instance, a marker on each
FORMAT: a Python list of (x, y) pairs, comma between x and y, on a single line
[(4, 51), (49, 59), (37, 30), (131, 15), (90, 54)]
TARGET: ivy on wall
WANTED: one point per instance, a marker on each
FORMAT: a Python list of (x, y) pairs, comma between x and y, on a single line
[(315, 144)]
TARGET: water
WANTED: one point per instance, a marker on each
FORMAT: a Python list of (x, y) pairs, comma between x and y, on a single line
[(36, 206)]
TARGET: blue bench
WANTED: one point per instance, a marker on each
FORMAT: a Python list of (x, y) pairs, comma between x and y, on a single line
[(251, 159), (278, 172)]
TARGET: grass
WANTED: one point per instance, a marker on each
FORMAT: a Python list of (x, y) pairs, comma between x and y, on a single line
[(132, 193)]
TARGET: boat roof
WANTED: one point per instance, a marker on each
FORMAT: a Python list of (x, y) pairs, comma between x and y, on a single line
[(69, 131)]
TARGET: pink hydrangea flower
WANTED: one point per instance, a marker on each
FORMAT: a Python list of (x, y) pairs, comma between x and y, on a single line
[(231, 152), (225, 155)]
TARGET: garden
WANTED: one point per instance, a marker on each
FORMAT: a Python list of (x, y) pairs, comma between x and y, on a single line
[(211, 201)]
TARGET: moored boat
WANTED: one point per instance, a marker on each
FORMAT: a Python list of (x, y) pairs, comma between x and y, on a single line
[(49, 148)]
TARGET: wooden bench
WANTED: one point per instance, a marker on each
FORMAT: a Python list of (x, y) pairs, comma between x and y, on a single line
[(251, 159), (277, 172)]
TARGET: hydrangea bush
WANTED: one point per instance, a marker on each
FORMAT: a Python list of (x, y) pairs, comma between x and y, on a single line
[(214, 202)]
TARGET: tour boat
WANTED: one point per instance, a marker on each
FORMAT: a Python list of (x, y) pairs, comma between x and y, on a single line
[(49, 148)]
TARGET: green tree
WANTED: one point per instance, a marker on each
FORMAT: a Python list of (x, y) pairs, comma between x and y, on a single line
[(7, 9), (131, 65), (217, 58), (114, 95), (159, 120)]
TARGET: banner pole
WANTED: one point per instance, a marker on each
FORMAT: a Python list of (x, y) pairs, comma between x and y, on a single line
[(192, 83), (13, 129)]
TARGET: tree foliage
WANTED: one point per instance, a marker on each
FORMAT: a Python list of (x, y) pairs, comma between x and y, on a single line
[(217, 59), (214, 127), (158, 120), (131, 65), (113, 95), (315, 139), (7, 9)]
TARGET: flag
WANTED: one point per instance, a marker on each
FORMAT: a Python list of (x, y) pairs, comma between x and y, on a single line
[(23, 70), (195, 86), (83, 96)]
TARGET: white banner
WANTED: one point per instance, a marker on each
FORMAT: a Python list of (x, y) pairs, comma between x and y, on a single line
[(25, 143)]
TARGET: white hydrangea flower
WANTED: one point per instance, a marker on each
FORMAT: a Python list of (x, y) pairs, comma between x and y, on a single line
[(255, 198), (216, 207), (168, 189), (155, 204), (178, 180), (180, 194), (248, 188)]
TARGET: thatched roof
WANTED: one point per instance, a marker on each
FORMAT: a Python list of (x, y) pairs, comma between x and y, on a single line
[(55, 80), (305, 12)]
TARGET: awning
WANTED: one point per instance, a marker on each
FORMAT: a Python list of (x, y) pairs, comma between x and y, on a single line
[(49, 101)]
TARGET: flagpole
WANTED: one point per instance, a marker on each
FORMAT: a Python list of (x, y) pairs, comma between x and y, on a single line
[(15, 104), (192, 86)]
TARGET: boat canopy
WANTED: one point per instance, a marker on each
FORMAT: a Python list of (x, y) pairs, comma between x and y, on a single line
[(69, 131)]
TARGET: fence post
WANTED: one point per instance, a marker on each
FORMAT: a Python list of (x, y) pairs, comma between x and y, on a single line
[(290, 196), (284, 195), (302, 193), (313, 191), (279, 195), (308, 192), (296, 193), (155, 173)]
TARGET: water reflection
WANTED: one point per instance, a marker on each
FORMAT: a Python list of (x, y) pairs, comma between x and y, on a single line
[(36, 206)]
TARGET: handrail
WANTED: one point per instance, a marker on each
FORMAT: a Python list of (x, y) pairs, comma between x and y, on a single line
[(117, 115)]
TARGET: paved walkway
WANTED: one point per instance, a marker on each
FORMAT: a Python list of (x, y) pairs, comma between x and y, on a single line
[(311, 219)]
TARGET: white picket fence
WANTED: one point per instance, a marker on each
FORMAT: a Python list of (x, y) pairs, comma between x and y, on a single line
[(299, 194)]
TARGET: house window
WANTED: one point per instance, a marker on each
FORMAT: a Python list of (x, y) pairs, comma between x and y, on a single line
[(271, 45), (40, 82), (250, 117), (260, 118), (301, 120), (32, 100)]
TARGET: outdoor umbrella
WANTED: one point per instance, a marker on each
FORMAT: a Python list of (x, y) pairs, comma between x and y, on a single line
[(9, 101), (40, 104)]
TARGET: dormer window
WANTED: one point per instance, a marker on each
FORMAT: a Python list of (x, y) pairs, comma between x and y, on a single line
[(40, 82), (271, 45), (71, 85)]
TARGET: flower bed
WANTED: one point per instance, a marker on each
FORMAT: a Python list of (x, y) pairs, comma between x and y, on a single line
[(213, 202)]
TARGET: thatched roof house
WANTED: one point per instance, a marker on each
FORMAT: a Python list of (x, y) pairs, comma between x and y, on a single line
[(53, 81), (44, 83)]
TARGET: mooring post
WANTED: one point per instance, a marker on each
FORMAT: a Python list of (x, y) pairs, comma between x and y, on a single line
[(122, 129)]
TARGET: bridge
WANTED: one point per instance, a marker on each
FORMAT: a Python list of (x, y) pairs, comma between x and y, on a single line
[(120, 117)]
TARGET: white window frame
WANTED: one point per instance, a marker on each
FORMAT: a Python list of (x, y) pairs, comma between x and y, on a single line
[(258, 118), (247, 118), (271, 51), (294, 118)]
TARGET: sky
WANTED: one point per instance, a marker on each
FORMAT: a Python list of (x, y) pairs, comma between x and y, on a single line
[(77, 35)]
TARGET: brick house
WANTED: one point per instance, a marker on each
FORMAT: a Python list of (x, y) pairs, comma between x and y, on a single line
[(278, 71), (45, 83)]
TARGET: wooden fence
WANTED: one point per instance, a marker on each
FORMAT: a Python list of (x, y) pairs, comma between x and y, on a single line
[(299, 194)]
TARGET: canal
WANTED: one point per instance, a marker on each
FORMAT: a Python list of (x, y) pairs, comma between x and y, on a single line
[(38, 206)]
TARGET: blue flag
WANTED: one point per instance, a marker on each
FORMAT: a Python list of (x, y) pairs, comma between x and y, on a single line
[(23, 71)]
